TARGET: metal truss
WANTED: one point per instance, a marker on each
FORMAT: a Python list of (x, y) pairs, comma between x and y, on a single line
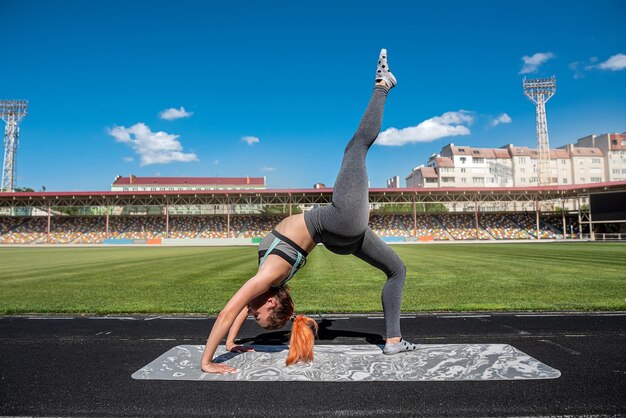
[(11, 112), (539, 91)]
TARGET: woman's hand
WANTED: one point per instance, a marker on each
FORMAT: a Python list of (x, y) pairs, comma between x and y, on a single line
[(218, 368), (234, 348)]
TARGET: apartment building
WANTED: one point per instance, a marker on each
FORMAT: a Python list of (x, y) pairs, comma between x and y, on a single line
[(593, 159), (614, 148)]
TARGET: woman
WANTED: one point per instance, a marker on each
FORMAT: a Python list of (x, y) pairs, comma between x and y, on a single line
[(343, 228)]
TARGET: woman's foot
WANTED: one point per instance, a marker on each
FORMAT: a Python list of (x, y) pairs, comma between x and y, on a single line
[(383, 75), (399, 347)]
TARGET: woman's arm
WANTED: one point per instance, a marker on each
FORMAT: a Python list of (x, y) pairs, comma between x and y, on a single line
[(251, 289), (234, 329)]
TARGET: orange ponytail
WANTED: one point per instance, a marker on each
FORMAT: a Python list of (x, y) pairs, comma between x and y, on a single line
[(302, 340)]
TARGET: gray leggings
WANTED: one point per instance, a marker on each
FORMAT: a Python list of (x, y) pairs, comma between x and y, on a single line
[(343, 226)]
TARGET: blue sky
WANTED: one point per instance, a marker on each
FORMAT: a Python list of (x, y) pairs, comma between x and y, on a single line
[(277, 88)]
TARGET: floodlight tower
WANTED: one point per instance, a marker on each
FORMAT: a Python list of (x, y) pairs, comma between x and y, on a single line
[(539, 91), (11, 112)]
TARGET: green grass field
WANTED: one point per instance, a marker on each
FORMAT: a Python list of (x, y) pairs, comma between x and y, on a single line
[(455, 277)]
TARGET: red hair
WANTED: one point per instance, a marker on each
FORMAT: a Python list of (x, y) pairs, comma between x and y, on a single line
[(302, 340)]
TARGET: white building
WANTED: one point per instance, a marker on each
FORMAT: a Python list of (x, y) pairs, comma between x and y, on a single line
[(200, 184), (155, 184), (614, 148), (394, 182), (593, 159)]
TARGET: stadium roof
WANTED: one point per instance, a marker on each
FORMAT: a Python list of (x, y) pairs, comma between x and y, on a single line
[(301, 196)]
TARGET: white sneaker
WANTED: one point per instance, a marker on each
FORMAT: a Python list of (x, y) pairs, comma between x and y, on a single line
[(400, 347), (382, 70)]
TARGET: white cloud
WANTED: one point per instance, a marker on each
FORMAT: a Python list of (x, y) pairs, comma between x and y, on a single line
[(531, 64), (250, 140), (129, 159), (152, 147), (448, 124), (615, 63), (503, 118), (268, 169), (171, 113), (576, 69)]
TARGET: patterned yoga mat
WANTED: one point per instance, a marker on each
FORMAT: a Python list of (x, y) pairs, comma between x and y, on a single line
[(355, 363)]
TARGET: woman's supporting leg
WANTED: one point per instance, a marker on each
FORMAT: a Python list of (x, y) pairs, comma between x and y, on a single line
[(379, 254)]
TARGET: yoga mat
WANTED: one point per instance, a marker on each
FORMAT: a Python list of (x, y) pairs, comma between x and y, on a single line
[(355, 363)]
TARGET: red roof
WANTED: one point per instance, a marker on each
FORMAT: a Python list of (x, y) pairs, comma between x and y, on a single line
[(586, 152), (269, 192), (428, 172), (444, 162), (559, 153), (501, 153), (247, 181)]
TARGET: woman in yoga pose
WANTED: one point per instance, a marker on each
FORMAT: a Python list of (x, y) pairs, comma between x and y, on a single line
[(343, 228)]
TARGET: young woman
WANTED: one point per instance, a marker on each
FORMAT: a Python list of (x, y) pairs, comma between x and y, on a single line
[(343, 228)]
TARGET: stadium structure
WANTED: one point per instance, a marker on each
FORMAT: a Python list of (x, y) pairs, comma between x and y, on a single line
[(189, 217)]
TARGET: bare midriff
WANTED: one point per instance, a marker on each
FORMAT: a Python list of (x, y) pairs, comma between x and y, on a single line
[(294, 228)]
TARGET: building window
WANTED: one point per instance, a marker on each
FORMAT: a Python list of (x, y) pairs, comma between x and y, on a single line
[(125, 189), (595, 161), (134, 189), (522, 170), (162, 188), (564, 180), (523, 179), (479, 160), (623, 170), (462, 170), (596, 179), (463, 159), (614, 141), (563, 162), (522, 159), (616, 171), (478, 180), (582, 179), (463, 179), (431, 180), (533, 180)]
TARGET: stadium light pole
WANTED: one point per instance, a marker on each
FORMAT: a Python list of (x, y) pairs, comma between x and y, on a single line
[(539, 91), (11, 112)]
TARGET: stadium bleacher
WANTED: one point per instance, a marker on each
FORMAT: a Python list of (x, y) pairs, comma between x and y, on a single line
[(439, 227), (427, 227), (529, 223), (501, 227), (462, 226)]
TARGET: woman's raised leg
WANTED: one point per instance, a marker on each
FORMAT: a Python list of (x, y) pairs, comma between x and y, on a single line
[(350, 192)]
